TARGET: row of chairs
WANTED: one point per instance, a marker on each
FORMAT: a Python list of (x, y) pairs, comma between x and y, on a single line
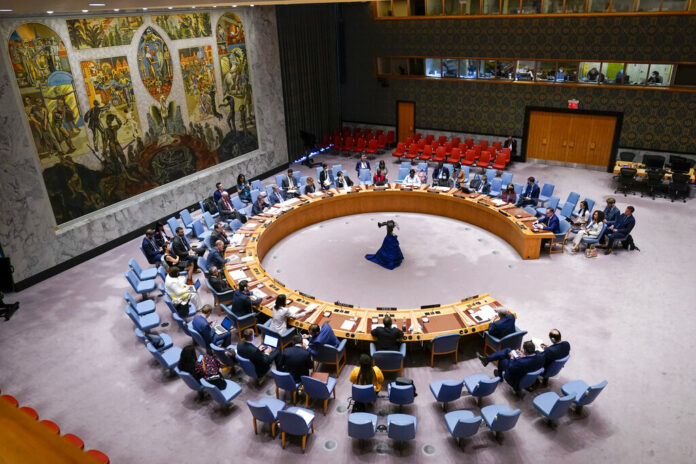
[(447, 153), (654, 185)]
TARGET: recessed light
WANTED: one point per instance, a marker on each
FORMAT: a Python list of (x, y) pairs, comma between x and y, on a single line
[(145, 9), (234, 6), (193, 7), (5, 10), (85, 11), (252, 5), (49, 11), (214, 6), (116, 9), (97, 4), (170, 7)]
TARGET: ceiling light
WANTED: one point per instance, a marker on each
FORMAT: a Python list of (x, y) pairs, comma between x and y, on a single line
[(5, 10), (97, 4), (214, 6), (234, 6), (85, 11), (193, 7), (170, 7), (145, 9), (49, 11), (252, 5), (116, 9)]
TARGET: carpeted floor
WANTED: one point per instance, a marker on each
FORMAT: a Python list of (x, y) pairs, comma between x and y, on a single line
[(70, 351)]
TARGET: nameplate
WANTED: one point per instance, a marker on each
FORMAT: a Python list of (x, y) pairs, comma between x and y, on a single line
[(386, 308), (345, 305), (430, 306), (483, 203), (504, 213), (305, 295)]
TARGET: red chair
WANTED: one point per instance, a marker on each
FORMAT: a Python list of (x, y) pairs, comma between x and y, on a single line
[(421, 145), (326, 142), (499, 162), (435, 144), (409, 142), (455, 142), (506, 152), (442, 139), (448, 147), (417, 136), (348, 143), (454, 156), (440, 155), (379, 132), (347, 130), (372, 147), (469, 143), (357, 133), (427, 153), (429, 138), (483, 144), (360, 146), (498, 145), (400, 150), (369, 136), (412, 151), (30, 412), (381, 141), (10, 399), (477, 149), (470, 158), (50, 425), (75, 440), (337, 142), (99, 456), (368, 133), (391, 138), (485, 160)]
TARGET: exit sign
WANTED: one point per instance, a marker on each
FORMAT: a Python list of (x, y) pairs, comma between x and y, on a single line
[(573, 104)]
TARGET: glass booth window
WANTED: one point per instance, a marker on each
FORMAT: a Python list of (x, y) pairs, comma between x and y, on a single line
[(676, 5), (505, 70), (384, 9), (486, 69), (567, 72), (660, 74), (416, 67), (399, 66), (400, 8), (575, 6), (525, 70), (531, 6), (622, 5), (591, 72), (433, 7), (614, 72), (452, 7), (648, 5), (546, 71), (511, 6), (467, 69), (598, 6), (490, 6), (636, 73), (384, 66), (554, 6), (471, 7), (417, 7), (433, 67), (449, 67)]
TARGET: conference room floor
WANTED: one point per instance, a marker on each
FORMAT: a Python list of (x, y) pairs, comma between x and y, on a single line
[(70, 353)]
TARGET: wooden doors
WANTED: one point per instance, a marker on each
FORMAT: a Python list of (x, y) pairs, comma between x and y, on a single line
[(571, 137), (405, 119)]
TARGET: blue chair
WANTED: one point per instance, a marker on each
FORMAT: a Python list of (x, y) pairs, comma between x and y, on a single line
[(256, 185), (506, 178), (237, 203), (518, 189), (584, 394), (197, 337), (496, 187), (500, 418), (186, 217), (145, 322), (269, 190), (266, 411), (365, 177), (220, 297), (444, 344), (546, 192), (401, 427), (528, 380), (143, 287), (209, 220), (168, 301), (462, 424), (203, 265), (530, 210), (240, 323), (142, 274), (335, 168), (403, 173), (490, 175), (513, 340), (405, 165), (552, 406), (222, 356), (295, 421), (234, 224), (555, 368), (212, 215), (141, 308), (333, 355), (284, 339), (191, 382), (401, 394), (363, 393), (423, 165), (553, 203), (566, 212), (560, 238), (166, 339), (302, 181), (480, 385), (168, 359), (389, 361), (315, 388), (198, 230), (181, 323), (279, 180), (572, 200), (595, 241), (446, 391), (298, 177), (174, 224), (284, 381), (254, 196), (224, 397), (362, 425), (248, 367)]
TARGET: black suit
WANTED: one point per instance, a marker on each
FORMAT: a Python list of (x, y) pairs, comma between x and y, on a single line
[(387, 338), (346, 182), (256, 209), (323, 176), (227, 211), (512, 145), (260, 360), (289, 182), (219, 283), (556, 351), (296, 361), (215, 236), (152, 251), (180, 247)]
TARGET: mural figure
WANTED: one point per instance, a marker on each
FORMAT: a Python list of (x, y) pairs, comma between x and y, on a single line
[(199, 82), (184, 26), (102, 32), (155, 64)]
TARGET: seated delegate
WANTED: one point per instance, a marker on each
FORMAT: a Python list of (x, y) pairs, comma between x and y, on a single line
[(591, 230), (365, 373), (549, 222), (621, 229), (204, 327), (318, 337), (289, 184), (296, 360), (513, 364), (242, 302), (530, 194), (504, 324), (260, 358), (387, 338), (558, 349), (153, 253)]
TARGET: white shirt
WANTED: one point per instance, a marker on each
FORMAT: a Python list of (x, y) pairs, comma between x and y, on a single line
[(414, 181), (280, 318), (176, 288)]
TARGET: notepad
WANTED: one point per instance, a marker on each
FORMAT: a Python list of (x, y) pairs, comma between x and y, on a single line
[(247, 259), (290, 202), (311, 307), (258, 293), (499, 202), (347, 325), (484, 313), (238, 275), (236, 239), (537, 344)]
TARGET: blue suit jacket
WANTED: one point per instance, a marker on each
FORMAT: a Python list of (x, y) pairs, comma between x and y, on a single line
[(624, 225), (216, 259), (552, 223), (273, 198), (554, 352), (201, 325), (357, 166), (256, 209), (151, 251), (241, 304), (296, 361), (531, 191), (502, 327), (517, 368), (326, 336)]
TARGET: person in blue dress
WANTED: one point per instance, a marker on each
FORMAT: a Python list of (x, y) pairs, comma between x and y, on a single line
[(389, 255)]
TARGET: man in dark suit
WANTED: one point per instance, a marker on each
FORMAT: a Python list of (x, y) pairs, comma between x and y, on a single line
[(218, 233), (504, 325), (559, 349), (290, 186), (530, 194), (550, 222), (325, 178), (295, 360), (262, 359), (215, 256), (260, 205), (480, 185), (201, 324), (513, 365), (441, 175), (343, 181), (512, 145), (621, 229), (387, 337), (217, 194), (182, 249), (227, 211), (319, 337), (242, 304), (152, 252), (276, 196), (218, 282), (362, 164)]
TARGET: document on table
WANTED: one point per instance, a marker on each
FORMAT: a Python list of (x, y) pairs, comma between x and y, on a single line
[(347, 325), (499, 202), (238, 275), (250, 226), (289, 202), (248, 259), (258, 293), (236, 240), (311, 307), (305, 415), (484, 313), (537, 344)]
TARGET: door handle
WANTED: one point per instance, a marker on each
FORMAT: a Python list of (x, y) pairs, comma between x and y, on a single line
[(592, 145), (565, 143), (543, 141), (571, 144)]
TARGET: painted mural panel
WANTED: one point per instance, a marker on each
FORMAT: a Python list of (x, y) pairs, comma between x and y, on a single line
[(198, 74), (184, 26), (155, 65), (102, 32)]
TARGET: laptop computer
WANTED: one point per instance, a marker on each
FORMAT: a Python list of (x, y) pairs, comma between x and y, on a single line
[(270, 340), (224, 327)]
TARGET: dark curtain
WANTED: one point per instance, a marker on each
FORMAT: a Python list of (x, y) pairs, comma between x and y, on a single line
[(307, 35)]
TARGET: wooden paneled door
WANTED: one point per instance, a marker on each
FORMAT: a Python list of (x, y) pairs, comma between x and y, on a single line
[(405, 119), (571, 137)]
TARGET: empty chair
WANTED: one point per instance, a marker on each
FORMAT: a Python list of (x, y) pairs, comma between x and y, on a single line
[(499, 417), (400, 150), (440, 155), (362, 425), (372, 146), (552, 406), (332, 355), (389, 361), (174, 224), (144, 322), (566, 212), (554, 368), (584, 394), (265, 410), (142, 274), (186, 217), (360, 145), (530, 210), (485, 160), (31, 412), (443, 345), (454, 156), (401, 394), (191, 382), (490, 173), (480, 385), (365, 177), (143, 287), (284, 381), (500, 161), (462, 424), (553, 203), (167, 341), (142, 307), (363, 393), (427, 153), (315, 388), (401, 427), (446, 391), (256, 185), (518, 188), (506, 178), (546, 192), (403, 172), (496, 187), (198, 230), (627, 156), (255, 196), (50, 425), (469, 158), (295, 421), (10, 399), (513, 340), (348, 143), (391, 137), (412, 152), (573, 198), (225, 396), (679, 187), (169, 358), (74, 440)]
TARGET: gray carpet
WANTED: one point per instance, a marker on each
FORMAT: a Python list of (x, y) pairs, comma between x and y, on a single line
[(70, 351)]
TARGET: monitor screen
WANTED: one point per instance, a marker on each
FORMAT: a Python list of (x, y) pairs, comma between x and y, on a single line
[(653, 162)]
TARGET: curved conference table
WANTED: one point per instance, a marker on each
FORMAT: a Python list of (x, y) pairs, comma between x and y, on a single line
[(466, 316)]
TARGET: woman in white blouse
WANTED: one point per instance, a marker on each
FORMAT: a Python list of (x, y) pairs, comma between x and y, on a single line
[(412, 179), (178, 291), (582, 216), (592, 230), (281, 314)]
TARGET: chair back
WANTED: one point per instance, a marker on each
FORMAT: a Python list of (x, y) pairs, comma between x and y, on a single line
[(279, 180), (530, 210), (567, 210), (507, 178), (466, 427), (173, 224), (261, 412), (364, 393), (556, 367), (186, 217), (132, 314), (362, 425), (365, 176), (269, 190), (486, 387), (564, 227), (237, 203), (255, 195), (189, 380), (181, 323), (256, 185), (512, 341), (403, 172), (547, 190), (221, 355), (136, 267), (490, 174), (335, 168), (298, 177), (129, 299), (591, 394), (445, 343), (401, 394), (505, 420), (247, 366), (450, 390), (496, 186), (198, 228), (209, 220), (590, 204), (284, 380), (203, 264), (214, 391), (315, 387), (388, 360), (292, 423), (529, 378), (573, 198), (553, 202), (197, 337), (328, 353), (402, 428), (627, 156), (518, 188), (560, 407), (132, 279)]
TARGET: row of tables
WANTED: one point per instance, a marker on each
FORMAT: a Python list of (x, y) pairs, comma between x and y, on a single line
[(642, 172)]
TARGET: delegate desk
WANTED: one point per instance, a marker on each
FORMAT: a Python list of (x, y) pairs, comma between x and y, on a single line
[(470, 315), (642, 172)]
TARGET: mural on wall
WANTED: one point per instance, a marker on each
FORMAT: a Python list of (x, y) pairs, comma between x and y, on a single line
[(102, 32), (237, 98), (199, 82), (184, 26), (155, 65)]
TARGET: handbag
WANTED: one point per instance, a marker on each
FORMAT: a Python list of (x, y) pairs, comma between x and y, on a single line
[(591, 252)]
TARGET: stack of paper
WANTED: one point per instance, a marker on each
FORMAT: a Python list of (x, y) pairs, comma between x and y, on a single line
[(499, 202), (236, 240), (290, 202), (347, 325), (238, 275), (250, 226), (485, 313), (258, 293), (317, 194), (248, 259), (311, 307)]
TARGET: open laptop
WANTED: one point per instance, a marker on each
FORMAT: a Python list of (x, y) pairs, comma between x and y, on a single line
[(270, 340), (224, 326)]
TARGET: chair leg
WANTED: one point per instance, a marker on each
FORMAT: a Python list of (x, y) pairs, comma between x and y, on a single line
[(273, 429), (304, 442), (294, 397), (306, 403), (277, 393), (326, 402), (256, 431), (432, 358), (282, 439)]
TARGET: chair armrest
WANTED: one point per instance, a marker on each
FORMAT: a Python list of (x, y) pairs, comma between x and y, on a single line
[(373, 348), (402, 349), (341, 346)]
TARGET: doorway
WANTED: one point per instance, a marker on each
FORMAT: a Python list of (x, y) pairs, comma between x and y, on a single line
[(405, 119)]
